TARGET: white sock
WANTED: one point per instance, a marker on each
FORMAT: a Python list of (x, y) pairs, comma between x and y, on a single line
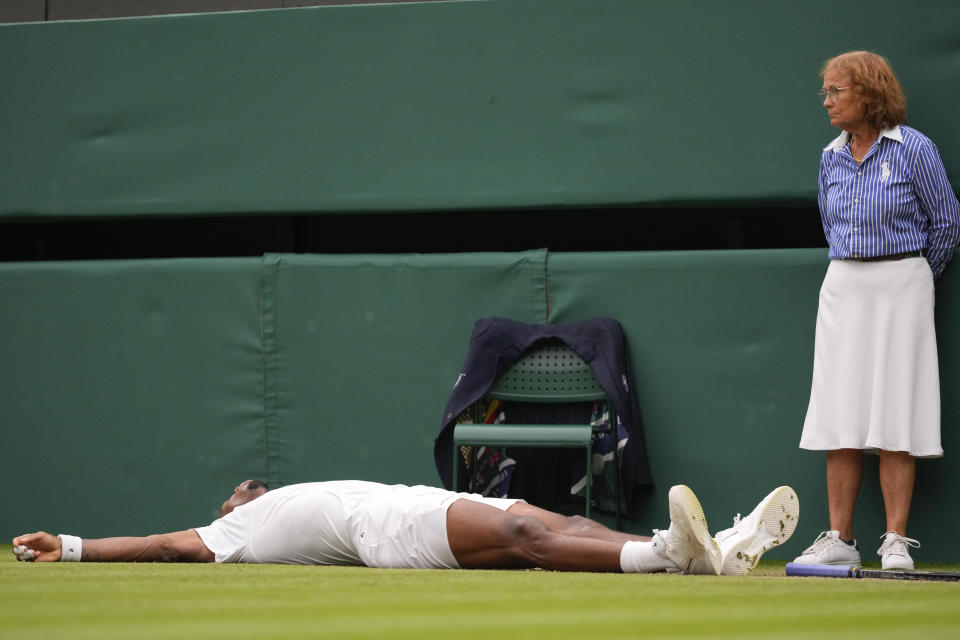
[(645, 557)]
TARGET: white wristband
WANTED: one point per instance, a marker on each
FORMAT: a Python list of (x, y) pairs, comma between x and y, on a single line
[(70, 548)]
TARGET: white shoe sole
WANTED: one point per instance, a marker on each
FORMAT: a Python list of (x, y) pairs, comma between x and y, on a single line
[(686, 509), (771, 523), (894, 565)]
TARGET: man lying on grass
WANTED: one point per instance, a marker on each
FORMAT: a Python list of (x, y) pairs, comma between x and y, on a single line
[(366, 523)]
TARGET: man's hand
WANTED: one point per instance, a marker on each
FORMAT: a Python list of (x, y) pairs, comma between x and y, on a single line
[(179, 546), (45, 546)]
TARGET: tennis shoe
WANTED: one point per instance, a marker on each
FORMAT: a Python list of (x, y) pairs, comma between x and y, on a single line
[(771, 523), (828, 548), (687, 542), (894, 552)]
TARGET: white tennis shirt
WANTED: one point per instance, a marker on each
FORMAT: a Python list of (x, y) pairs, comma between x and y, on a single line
[(348, 522)]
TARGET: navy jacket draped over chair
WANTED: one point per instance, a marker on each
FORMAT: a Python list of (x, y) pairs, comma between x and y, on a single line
[(497, 343)]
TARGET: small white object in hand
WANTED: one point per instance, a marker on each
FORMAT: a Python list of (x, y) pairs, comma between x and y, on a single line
[(23, 553)]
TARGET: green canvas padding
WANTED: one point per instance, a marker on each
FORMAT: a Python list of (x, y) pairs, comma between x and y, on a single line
[(369, 348), (136, 394), (722, 352), (450, 105), (130, 393)]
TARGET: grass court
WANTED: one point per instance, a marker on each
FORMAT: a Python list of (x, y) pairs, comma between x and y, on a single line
[(103, 601)]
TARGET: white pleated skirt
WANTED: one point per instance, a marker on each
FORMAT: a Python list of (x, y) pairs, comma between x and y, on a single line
[(876, 380)]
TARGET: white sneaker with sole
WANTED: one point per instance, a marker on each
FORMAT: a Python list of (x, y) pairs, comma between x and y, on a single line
[(771, 523), (894, 553), (688, 543), (828, 548)]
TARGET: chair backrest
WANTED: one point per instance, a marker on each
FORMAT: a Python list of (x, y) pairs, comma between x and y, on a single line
[(548, 372)]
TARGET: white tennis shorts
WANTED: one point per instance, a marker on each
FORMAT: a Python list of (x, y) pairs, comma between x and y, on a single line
[(406, 527)]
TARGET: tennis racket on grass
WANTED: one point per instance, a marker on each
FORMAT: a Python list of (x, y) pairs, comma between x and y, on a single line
[(845, 571)]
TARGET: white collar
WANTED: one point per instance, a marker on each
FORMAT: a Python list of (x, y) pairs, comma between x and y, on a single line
[(838, 143)]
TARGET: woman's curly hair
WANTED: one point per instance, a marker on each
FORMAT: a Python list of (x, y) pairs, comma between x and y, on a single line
[(876, 84)]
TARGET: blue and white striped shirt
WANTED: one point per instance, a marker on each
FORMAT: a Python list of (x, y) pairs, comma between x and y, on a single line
[(897, 200)]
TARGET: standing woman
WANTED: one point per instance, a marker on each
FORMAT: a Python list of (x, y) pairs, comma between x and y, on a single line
[(891, 220)]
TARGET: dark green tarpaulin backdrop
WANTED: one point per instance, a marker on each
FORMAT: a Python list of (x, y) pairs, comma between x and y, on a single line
[(439, 106), (127, 389), (136, 394), (366, 349), (722, 344)]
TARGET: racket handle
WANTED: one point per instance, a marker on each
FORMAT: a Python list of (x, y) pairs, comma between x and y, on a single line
[(822, 570)]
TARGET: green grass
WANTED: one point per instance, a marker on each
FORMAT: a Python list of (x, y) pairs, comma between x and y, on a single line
[(265, 602)]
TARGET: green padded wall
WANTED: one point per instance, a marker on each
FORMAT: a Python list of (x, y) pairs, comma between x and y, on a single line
[(368, 349), (130, 393), (135, 395), (453, 105), (722, 351)]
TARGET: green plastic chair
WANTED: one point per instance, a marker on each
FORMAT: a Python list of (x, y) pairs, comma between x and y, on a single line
[(548, 373)]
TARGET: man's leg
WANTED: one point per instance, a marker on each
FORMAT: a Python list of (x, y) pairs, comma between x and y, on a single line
[(484, 537), (574, 525)]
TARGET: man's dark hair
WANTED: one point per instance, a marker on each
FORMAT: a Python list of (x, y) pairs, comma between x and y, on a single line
[(257, 484)]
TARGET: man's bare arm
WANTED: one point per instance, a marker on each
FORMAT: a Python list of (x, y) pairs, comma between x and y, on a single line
[(179, 546)]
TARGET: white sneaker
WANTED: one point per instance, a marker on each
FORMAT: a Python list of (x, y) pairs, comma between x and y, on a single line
[(772, 522), (828, 548), (894, 553), (688, 543)]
